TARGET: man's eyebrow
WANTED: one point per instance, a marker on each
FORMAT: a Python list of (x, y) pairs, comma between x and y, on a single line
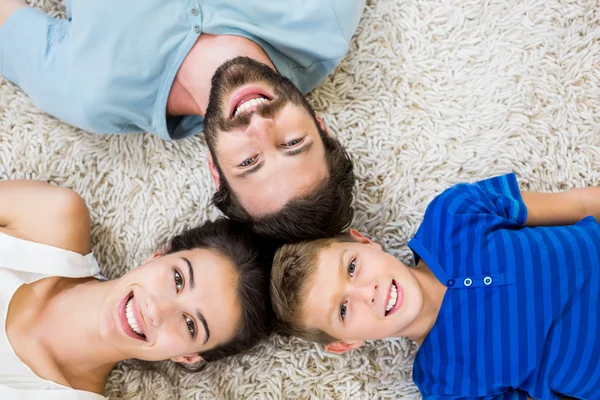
[(299, 150), (190, 272), (335, 307), (252, 169), (204, 324)]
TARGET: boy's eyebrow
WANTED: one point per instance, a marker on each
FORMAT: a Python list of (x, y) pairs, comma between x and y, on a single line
[(334, 307)]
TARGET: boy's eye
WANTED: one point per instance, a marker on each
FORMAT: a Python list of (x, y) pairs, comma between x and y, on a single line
[(191, 326), (178, 280), (343, 310), (352, 267), (294, 142), (248, 161)]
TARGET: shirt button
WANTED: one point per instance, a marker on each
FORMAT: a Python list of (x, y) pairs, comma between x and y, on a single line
[(195, 11), (468, 282), (197, 28), (450, 282), (487, 280)]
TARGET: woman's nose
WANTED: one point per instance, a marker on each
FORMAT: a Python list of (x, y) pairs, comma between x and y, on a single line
[(158, 309)]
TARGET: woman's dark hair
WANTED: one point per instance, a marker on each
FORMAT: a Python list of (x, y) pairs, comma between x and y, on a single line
[(252, 260)]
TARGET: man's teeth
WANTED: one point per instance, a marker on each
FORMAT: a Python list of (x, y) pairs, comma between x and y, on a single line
[(131, 319), (250, 104), (393, 297)]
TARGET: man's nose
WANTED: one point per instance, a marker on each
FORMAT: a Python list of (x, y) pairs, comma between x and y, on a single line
[(261, 128), (158, 309)]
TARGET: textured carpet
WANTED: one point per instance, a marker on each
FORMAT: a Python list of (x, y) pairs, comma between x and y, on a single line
[(432, 92)]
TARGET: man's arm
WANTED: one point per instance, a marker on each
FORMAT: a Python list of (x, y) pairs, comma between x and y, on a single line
[(565, 208), (45, 214), (7, 7)]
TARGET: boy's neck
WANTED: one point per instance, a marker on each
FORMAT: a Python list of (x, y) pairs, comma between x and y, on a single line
[(433, 295)]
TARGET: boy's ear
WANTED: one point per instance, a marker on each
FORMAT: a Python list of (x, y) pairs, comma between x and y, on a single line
[(214, 172), (189, 359), (342, 347), (363, 239)]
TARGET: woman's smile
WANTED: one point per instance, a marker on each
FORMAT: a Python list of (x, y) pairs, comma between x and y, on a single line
[(131, 319)]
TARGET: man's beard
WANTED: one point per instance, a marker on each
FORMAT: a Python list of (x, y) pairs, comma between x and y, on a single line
[(232, 75)]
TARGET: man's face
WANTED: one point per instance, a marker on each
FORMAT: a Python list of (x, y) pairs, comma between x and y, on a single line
[(358, 292), (266, 143)]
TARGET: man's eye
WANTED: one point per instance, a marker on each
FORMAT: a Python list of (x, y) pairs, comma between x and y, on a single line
[(294, 142), (343, 310), (352, 267), (178, 280), (247, 162), (191, 326)]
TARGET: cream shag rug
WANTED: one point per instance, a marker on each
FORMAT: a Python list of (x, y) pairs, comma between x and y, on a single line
[(432, 93)]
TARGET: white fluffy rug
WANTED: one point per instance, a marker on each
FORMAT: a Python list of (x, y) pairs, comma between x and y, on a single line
[(432, 92)]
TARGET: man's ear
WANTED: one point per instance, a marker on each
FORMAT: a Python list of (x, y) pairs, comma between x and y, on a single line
[(214, 171), (363, 239), (322, 125), (189, 359), (342, 347)]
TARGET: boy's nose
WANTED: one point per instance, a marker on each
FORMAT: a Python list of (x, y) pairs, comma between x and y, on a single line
[(366, 292)]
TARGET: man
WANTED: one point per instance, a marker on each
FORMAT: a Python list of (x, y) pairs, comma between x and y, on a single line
[(147, 65)]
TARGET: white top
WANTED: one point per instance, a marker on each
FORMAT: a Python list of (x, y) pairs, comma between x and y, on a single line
[(21, 262)]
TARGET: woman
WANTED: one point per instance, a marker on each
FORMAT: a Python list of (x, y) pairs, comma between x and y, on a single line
[(65, 327)]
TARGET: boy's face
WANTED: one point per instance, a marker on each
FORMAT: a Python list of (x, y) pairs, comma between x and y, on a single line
[(359, 292)]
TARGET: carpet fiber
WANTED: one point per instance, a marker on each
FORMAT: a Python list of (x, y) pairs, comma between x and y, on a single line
[(431, 93)]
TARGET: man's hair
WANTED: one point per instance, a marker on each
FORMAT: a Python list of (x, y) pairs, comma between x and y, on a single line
[(250, 261), (293, 272), (324, 212)]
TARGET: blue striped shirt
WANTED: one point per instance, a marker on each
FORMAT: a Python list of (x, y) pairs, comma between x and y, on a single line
[(520, 316)]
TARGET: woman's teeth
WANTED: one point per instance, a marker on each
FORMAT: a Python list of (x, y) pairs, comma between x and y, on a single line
[(393, 298), (250, 105), (131, 318)]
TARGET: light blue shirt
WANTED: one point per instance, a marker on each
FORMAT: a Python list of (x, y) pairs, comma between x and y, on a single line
[(110, 66)]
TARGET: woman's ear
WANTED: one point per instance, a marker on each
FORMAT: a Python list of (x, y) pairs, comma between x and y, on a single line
[(155, 255), (189, 359)]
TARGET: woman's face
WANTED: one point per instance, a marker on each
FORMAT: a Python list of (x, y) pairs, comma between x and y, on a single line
[(172, 307)]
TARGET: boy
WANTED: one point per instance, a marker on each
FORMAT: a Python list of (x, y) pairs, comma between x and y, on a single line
[(503, 300)]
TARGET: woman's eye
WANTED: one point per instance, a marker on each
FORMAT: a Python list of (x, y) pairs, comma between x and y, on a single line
[(343, 310), (352, 267), (294, 142), (191, 326), (247, 162), (178, 280)]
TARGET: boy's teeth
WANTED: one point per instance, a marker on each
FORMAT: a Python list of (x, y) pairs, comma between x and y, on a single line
[(393, 297), (131, 319)]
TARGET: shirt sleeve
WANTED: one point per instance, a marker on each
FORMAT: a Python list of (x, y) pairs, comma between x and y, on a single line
[(465, 211), (32, 47)]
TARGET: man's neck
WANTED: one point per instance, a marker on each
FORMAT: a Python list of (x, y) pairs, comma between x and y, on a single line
[(191, 87)]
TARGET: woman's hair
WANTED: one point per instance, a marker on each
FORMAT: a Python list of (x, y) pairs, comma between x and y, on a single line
[(251, 259)]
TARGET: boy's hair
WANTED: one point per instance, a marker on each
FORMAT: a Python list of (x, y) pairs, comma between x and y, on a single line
[(294, 268)]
